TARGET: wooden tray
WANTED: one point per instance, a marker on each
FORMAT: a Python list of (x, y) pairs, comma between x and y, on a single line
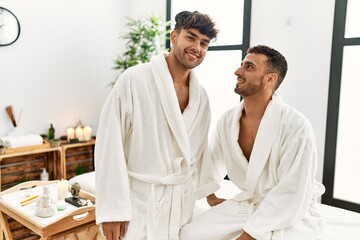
[(28, 148)]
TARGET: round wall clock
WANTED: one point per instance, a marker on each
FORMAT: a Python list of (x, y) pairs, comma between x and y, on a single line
[(9, 27)]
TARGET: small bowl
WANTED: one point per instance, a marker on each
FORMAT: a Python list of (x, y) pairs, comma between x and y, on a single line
[(55, 142)]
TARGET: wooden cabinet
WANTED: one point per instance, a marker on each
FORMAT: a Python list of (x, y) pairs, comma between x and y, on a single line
[(24, 164), (78, 158)]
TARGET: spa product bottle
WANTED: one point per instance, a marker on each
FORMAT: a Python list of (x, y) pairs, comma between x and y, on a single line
[(44, 176), (51, 134)]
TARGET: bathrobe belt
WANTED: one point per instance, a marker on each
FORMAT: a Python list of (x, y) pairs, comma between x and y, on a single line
[(176, 180), (254, 202)]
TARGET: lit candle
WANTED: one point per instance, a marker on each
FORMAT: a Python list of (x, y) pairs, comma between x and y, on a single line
[(62, 189), (79, 133), (70, 133), (87, 133)]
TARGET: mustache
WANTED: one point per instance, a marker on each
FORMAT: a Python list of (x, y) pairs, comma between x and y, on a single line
[(196, 53)]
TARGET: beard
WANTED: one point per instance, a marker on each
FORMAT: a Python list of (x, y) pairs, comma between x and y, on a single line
[(249, 89), (181, 56)]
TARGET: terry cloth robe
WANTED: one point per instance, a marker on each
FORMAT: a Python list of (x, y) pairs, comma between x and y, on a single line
[(277, 186), (150, 157)]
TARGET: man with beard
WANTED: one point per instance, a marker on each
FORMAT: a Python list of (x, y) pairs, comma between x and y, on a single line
[(151, 153), (268, 150)]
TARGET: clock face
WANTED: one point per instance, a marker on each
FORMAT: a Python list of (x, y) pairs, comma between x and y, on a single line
[(9, 27)]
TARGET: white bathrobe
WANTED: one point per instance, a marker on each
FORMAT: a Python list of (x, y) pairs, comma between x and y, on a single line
[(277, 185), (149, 157)]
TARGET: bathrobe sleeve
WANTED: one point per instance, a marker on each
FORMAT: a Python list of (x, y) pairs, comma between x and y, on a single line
[(206, 179), (112, 185), (288, 202), (217, 149)]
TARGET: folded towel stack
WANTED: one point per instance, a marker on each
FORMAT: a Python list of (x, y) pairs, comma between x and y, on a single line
[(21, 140)]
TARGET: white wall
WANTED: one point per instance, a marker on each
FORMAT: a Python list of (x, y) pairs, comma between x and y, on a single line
[(59, 68), (141, 8)]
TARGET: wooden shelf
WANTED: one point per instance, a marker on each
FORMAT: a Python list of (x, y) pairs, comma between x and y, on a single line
[(29, 152), (66, 147), (79, 144), (54, 159), (27, 148)]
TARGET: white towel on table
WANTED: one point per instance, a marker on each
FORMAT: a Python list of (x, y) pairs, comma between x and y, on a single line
[(21, 141)]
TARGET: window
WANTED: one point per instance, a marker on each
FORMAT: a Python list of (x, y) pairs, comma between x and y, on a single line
[(342, 158), (216, 72)]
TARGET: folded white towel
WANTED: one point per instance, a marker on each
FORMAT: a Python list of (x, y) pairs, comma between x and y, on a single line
[(21, 141)]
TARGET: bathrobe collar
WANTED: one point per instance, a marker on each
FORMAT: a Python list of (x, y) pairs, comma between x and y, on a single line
[(170, 104), (268, 130)]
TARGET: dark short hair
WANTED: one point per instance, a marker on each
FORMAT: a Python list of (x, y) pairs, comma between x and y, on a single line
[(199, 21), (275, 60)]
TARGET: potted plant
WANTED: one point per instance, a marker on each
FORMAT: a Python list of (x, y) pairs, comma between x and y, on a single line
[(55, 142), (80, 169), (145, 38)]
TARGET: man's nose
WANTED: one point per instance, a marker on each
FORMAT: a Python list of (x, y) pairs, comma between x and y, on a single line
[(196, 46), (238, 71)]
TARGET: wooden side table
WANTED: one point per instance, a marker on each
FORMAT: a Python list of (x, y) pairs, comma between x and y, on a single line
[(67, 223)]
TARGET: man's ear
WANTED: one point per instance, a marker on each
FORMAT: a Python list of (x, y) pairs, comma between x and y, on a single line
[(173, 36), (271, 79)]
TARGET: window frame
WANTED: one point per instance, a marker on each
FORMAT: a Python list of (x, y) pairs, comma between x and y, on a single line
[(246, 30), (338, 43)]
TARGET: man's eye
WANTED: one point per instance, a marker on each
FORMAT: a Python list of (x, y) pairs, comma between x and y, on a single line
[(204, 45)]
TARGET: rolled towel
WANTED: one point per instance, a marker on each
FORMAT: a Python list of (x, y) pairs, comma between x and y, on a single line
[(21, 141), (86, 181)]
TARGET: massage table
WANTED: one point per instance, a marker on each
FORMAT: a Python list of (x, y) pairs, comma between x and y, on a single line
[(340, 224)]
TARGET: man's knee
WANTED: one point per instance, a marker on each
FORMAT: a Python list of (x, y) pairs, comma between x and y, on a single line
[(185, 232)]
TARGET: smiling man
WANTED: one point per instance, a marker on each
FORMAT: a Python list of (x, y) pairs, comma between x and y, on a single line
[(151, 153), (269, 152)]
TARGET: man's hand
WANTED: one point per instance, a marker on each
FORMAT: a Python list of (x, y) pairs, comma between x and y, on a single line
[(245, 236), (213, 200), (114, 230)]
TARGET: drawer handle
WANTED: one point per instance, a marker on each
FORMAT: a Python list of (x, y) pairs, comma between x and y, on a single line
[(80, 216)]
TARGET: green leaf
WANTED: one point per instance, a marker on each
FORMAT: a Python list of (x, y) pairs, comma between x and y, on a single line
[(145, 38)]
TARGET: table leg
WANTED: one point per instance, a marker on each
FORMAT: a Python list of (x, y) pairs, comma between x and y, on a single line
[(5, 227), (55, 164), (92, 232), (72, 236)]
